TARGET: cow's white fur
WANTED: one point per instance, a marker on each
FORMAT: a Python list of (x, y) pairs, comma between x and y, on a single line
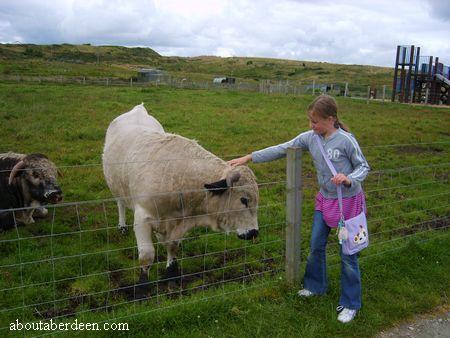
[(161, 177)]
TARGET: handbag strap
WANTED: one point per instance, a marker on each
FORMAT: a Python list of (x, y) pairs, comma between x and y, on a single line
[(333, 171)]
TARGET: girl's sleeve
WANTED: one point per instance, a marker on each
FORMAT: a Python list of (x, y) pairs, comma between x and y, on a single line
[(280, 150), (359, 162)]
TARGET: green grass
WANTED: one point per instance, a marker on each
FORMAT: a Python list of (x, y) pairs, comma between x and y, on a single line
[(68, 124), (121, 62)]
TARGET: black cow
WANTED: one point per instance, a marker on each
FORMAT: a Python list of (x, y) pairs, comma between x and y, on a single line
[(26, 181)]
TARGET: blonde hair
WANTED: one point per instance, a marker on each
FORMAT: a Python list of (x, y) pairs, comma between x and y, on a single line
[(325, 106)]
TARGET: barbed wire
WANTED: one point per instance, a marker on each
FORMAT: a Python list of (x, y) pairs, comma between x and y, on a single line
[(379, 243), (117, 270), (407, 186), (155, 161), (407, 200), (393, 249), (203, 190), (142, 196), (137, 284), (240, 256), (273, 271), (410, 227)]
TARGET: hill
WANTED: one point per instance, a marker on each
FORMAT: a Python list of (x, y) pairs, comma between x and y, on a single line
[(118, 61)]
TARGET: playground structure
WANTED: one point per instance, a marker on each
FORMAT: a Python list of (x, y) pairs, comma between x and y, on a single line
[(417, 79)]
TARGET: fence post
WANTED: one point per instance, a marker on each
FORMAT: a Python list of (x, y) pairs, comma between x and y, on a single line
[(293, 214), (131, 82), (346, 89), (384, 92), (314, 87), (368, 94)]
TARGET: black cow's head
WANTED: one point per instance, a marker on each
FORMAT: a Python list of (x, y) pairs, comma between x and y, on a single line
[(38, 176)]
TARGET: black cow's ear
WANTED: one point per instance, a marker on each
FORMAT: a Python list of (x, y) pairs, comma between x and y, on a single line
[(218, 187)]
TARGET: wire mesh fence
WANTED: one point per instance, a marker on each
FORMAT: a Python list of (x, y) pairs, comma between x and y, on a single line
[(285, 87), (76, 262)]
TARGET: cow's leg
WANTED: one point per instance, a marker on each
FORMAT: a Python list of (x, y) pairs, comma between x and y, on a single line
[(143, 232), (40, 212), (25, 216), (122, 214), (172, 269)]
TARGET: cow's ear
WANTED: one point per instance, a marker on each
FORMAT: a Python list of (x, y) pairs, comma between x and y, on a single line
[(15, 171), (218, 187), (232, 177)]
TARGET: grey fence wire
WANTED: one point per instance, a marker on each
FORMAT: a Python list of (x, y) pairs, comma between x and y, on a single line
[(76, 262), (281, 87)]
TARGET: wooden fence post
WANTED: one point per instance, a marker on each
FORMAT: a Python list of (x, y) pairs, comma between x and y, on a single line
[(314, 87), (346, 89), (384, 92), (293, 214)]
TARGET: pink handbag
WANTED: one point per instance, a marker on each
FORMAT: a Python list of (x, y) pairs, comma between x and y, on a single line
[(352, 233)]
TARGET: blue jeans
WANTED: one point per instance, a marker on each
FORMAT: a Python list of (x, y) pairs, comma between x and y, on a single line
[(315, 279)]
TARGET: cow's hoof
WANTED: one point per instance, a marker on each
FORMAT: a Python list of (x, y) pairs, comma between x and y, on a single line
[(40, 212), (142, 288), (141, 292), (173, 275)]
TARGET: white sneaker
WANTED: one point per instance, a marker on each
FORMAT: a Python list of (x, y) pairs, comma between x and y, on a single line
[(305, 293), (346, 315)]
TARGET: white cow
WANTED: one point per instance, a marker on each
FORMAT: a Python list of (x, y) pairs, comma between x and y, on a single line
[(173, 185)]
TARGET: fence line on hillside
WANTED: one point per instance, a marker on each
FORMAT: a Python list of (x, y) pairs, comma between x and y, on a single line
[(86, 265), (265, 86)]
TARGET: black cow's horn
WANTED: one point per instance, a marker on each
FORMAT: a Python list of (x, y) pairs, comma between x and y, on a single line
[(19, 165)]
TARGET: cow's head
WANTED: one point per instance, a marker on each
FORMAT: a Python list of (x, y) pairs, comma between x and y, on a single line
[(235, 199), (38, 178)]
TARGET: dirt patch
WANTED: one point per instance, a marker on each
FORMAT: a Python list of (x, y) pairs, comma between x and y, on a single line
[(413, 149), (428, 225), (433, 324)]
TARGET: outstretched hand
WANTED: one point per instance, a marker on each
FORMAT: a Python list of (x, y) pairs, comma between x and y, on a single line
[(240, 161)]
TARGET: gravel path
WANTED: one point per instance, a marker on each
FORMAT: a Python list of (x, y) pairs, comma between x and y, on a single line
[(435, 324)]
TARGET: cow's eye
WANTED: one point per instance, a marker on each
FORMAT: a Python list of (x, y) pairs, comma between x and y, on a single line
[(244, 201), (35, 174)]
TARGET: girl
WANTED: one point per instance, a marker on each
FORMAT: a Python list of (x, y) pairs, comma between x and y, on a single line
[(344, 152)]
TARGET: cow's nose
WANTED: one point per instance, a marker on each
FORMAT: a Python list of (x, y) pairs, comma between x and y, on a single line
[(250, 234), (54, 195)]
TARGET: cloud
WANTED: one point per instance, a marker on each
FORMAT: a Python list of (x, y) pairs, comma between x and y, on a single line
[(440, 9), (363, 32)]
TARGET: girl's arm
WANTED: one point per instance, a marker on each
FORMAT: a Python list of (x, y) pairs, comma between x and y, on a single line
[(359, 162), (280, 150), (240, 161), (274, 152)]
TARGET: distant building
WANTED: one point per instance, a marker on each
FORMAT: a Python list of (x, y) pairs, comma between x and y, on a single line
[(150, 74), (229, 80)]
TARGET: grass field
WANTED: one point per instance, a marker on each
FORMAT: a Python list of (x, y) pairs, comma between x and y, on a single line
[(65, 265), (122, 62)]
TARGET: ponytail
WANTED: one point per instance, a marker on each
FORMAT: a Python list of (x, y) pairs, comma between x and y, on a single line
[(339, 124)]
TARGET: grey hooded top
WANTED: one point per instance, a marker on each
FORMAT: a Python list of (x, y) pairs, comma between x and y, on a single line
[(343, 151)]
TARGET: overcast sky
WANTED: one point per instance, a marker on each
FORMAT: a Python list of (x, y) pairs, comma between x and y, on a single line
[(339, 31)]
